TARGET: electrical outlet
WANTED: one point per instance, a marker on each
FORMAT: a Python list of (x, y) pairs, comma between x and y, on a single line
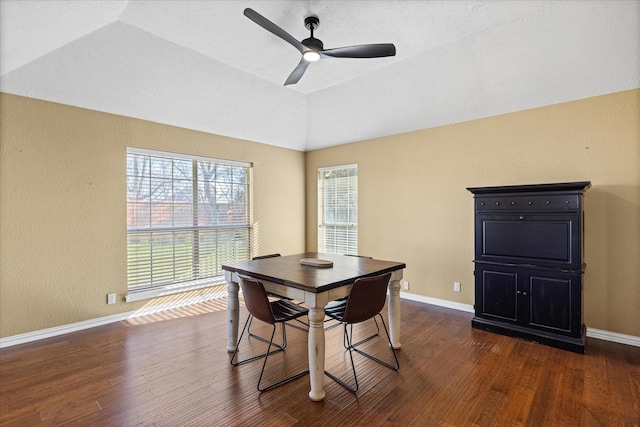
[(111, 298), (405, 285), (456, 286)]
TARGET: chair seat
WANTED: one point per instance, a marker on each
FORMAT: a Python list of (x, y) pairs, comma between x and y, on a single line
[(285, 310), (335, 309)]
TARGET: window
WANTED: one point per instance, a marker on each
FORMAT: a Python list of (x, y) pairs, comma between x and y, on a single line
[(186, 216), (338, 209)]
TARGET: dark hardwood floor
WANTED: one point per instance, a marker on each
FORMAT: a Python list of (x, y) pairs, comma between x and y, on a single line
[(172, 369)]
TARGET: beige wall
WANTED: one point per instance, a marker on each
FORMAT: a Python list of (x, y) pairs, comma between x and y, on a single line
[(414, 206), (63, 207), (62, 200)]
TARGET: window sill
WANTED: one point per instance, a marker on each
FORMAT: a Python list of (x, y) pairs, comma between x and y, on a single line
[(162, 291)]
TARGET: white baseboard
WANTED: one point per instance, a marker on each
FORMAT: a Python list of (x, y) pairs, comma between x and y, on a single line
[(591, 332), (439, 302), (613, 337), (100, 321), (92, 323)]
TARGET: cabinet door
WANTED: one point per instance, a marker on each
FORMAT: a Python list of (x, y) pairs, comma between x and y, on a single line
[(544, 240), (554, 301), (541, 299), (497, 293)]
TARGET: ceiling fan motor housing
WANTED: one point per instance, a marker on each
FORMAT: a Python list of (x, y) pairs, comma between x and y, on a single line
[(313, 44)]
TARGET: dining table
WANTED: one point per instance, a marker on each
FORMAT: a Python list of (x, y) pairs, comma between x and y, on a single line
[(314, 279)]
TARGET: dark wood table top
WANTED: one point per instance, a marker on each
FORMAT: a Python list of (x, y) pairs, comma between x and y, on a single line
[(288, 271)]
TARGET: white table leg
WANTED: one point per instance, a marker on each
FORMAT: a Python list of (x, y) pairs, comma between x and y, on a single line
[(316, 353), (233, 314), (394, 313)]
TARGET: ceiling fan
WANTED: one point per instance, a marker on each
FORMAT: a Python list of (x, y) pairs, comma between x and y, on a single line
[(312, 48)]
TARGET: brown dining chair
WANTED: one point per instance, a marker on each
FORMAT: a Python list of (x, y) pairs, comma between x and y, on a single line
[(271, 312), (365, 302), (265, 257), (339, 305), (305, 325)]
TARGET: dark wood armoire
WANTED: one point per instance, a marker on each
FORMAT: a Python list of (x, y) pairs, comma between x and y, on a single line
[(529, 262)]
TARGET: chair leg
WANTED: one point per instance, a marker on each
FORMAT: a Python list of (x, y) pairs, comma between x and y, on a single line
[(302, 328), (383, 363), (335, 325), (246, 327), (367, 338), (346, 340), (258, 337), (264, 365), (266, 355), (349, 345)]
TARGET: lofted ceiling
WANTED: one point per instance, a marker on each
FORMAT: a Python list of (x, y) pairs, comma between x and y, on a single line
[(203, 65)]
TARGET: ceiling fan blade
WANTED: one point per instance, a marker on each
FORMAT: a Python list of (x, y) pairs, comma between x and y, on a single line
[(274, 29), (297, 72), (362, 51)]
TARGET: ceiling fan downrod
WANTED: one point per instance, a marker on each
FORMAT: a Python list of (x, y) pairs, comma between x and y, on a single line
[(311, 23)]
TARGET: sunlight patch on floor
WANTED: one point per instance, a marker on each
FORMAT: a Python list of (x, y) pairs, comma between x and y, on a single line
[(178, 309)]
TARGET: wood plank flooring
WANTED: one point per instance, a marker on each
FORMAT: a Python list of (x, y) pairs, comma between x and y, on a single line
[(172, 369)]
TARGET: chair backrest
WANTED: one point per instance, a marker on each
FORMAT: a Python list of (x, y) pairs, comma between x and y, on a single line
[(256, 299), (366, 299), (265, 256)]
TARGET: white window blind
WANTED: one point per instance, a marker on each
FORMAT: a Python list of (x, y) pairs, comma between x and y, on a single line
[(338, 209), (186, 216)]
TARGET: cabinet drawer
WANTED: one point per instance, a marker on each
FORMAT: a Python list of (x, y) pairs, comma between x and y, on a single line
[(548, 203), (568, 202), (491, 204), (528, 203), (514, 203)]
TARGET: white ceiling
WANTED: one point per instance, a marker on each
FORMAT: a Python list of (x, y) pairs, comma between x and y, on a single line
[(203, 65)]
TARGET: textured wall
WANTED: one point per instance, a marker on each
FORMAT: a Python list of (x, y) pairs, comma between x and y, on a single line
[(63, 207), (414, 206), (62, 200)]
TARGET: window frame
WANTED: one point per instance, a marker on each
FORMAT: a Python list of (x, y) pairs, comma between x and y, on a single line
[(192, 232), (349, 228)]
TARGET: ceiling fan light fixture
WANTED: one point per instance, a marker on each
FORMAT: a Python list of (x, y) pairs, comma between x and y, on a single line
[(312, 49), (311, 56)]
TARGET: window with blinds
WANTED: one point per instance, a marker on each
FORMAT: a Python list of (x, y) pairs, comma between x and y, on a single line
[(338, 209), (186, 216)]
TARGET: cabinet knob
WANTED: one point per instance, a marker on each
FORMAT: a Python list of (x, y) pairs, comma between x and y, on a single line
[(497, 203), (521, 217)]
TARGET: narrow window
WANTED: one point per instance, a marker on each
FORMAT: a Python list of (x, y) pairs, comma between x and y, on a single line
[(338, 209), (186, 216)]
